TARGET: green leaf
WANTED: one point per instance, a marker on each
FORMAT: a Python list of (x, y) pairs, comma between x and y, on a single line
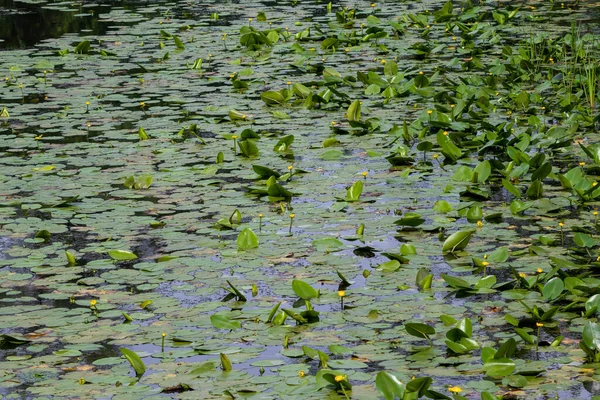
[(82, 47), (276, 190), (343, 278), (499, 367), (247, 240), (483, 170), (486, 282), (389, 266), (143, 134), (518, 206), (455, 282), (272, 98), (419, 385), (583, 240), (265, 172), (593, 304), (511, 188), (591, 335), (204, 368), (488, 396), (535, 190), (474, 214), (442, 206), (248, 148), (136, 362), (424, 279), (456, 347), (301, 91), (338, 350), (506, 350), (297, 317), (372, 89), (410, 219), (43, 234), (419, 330), (225, 362), (122, 255), (542, 172), (304, 290), (515, 381), (235, 115), (145, 304), (449, 149), (389, 386), (462, 174), (499, 255), (240, 296), (457, 241), (353, 113), (326, 377), (197, 64), (284, 143), (178, 43), (327, 244), (71, 261), (221, 321), (390, 68), (273, 312), (447, 320), (553, 288), (354, 191), (524, 335)]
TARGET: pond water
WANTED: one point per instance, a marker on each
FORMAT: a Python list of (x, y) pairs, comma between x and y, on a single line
[(302, 190)]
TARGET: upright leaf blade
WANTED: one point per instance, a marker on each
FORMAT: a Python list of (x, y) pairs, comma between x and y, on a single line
[(304, 290), (220, 321), (389, 386), (354, 191), (136, 362), (353, 112), (457, 241), (247, 239)]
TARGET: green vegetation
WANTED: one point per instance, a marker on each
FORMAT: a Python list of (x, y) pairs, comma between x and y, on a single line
[(309, 201)]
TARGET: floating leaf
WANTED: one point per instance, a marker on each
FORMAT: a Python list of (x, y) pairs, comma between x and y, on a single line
[(122, 255)]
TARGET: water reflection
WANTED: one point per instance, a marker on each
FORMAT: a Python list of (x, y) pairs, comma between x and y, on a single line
[(24, 25)]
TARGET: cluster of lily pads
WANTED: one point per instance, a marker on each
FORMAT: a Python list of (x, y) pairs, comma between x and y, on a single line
[(303, 200)]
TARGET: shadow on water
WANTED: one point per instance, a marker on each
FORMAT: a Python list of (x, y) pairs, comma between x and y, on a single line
[(24, 25)]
